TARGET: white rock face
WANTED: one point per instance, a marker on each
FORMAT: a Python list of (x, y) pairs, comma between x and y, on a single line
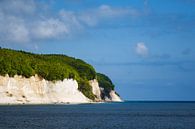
[(35, 90), (95, 89), (115, 97)]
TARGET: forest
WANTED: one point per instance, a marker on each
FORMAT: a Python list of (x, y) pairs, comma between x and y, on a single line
[(52, 67)]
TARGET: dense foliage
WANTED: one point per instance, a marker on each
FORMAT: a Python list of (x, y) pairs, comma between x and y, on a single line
[(105, 83), (50, 67)]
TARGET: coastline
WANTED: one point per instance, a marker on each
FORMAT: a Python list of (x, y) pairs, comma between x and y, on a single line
[(66, 103), (19, 90)]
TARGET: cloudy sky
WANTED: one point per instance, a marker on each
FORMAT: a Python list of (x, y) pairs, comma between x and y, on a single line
[(147, 47)]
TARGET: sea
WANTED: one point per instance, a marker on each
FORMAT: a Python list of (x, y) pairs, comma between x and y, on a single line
[(124, 115)]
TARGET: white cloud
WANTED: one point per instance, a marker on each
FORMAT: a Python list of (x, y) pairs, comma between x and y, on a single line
[(70, 19), (49, 28), (18, 33), (105, 12), (88, 19), (27, 21), (13, 29), (108, 11), (20, 23), (18, 6), (141, 49)]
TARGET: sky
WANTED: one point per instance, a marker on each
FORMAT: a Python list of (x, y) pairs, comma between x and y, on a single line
[(146, 47)]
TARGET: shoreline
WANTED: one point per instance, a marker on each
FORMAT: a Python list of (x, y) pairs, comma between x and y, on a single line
[(68, 103)]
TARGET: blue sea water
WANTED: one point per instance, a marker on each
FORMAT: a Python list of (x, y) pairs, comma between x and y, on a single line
[(126, 115)]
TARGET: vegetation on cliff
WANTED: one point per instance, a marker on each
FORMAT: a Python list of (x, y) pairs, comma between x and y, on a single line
[(106, 83), (52, 67)]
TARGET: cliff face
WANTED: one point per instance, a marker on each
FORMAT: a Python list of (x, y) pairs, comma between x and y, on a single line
[(39, 75), (35, 90), (96, 89)]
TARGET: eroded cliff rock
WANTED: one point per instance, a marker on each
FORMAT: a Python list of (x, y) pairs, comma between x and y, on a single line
[(36, 90)]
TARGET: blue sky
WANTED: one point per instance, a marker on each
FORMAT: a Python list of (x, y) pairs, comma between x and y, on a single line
[(147, 47)]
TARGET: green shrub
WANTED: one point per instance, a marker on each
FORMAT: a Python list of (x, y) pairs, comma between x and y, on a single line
[(86, 89), (105, 82)]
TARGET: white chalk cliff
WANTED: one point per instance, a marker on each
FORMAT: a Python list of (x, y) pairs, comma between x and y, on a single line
[(35, 90)]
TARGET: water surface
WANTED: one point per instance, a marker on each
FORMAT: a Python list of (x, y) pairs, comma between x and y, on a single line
[(127, 115)]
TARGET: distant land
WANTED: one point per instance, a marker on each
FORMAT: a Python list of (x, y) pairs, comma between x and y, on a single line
[(28, 78)]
